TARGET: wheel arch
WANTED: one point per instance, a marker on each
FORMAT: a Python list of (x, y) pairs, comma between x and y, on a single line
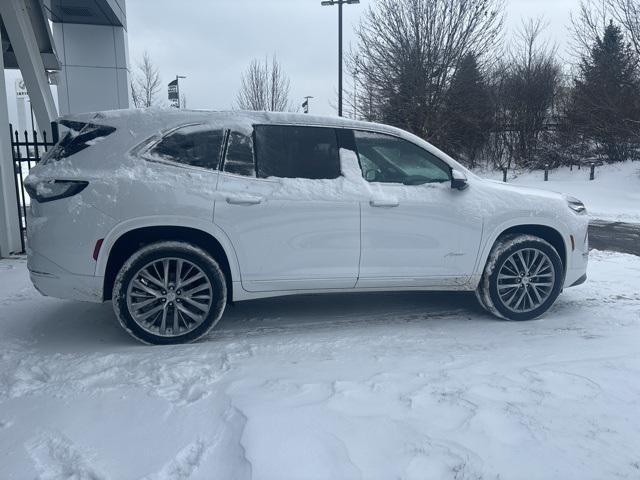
[(122, 245), (546, 232)]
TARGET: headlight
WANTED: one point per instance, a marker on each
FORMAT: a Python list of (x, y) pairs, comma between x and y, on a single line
[(576, 205), (49, 190)]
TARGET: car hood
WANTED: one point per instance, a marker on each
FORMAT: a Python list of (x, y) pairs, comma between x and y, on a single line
[(523, 190)]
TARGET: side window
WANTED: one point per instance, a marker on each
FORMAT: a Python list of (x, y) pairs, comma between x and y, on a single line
[(195, 145), (239, 157), (297, 152), (388, 159)]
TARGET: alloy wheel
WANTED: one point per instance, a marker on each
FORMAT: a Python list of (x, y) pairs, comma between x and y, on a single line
[(169, 297), (526, 280)]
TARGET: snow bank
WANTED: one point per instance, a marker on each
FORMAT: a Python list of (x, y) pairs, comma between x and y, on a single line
[(613, 195)]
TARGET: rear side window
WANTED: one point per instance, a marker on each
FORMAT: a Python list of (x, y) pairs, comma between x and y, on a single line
[(195, 145), (239, 158), (81, 135), (297, 152)]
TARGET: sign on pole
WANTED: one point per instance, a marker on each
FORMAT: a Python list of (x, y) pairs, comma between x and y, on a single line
[(173, 93), (21, 89), (21, 103)]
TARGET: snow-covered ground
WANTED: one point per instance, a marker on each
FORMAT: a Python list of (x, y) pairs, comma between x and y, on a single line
[(613, 195), (410, 385)]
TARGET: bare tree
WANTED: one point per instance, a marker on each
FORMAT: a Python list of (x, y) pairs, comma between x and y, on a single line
[(531, 83), (145, 83), (265, 87), (593, 17), (408, 51), (588, 23), (627, 13)]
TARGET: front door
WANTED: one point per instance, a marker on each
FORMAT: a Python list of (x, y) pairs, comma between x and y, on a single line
[(416, 230)]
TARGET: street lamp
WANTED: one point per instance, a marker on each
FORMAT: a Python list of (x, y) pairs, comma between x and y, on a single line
[(328, 3), (178, 77), (305, 104)]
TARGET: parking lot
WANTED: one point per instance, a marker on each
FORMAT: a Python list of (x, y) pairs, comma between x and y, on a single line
[(408, 385)]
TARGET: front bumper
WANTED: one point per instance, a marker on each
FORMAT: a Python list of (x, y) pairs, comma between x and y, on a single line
[(578, 259)]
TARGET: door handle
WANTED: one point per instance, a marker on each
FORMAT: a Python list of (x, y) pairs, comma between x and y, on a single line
[(384, 203), (243, 200)]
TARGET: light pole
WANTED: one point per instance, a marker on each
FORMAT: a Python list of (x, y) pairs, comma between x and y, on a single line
[(327, 3), (355, 90), (178, 77), (305, 104)]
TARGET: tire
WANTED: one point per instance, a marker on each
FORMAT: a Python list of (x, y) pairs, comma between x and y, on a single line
[(522, 279), (149, 300)]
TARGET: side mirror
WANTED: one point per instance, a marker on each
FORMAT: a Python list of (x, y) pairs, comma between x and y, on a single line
[(370, 175), (458, 180)]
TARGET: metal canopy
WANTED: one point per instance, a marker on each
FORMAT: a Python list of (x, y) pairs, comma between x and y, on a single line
[(88, 12), (42, 34)]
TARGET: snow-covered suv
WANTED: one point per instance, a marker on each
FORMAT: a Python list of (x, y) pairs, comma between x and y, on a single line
[(172, 214)]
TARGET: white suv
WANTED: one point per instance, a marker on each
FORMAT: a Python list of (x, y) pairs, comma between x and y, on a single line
[(172, 214)]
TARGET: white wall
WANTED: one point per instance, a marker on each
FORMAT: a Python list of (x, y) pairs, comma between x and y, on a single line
[(94, 73)]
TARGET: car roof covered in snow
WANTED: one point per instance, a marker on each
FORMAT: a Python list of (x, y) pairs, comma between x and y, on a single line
[(143, 123), (172, 116)]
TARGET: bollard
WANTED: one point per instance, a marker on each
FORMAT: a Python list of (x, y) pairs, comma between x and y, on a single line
[(504, 174), (592, 173), (546, 172), (571, 166)]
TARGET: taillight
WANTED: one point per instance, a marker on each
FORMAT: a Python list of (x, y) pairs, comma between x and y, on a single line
[(48, 190)]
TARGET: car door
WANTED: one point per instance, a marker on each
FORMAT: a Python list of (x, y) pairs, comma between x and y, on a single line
[(272, 203), (416, 230)]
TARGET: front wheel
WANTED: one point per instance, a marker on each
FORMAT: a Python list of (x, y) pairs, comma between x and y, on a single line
[(169, 292), (522, 278)]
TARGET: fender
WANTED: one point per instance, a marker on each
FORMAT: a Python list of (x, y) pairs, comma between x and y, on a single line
[(167, 221), (495, 232)]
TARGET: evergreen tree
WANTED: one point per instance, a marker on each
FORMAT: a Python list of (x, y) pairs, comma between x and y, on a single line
[(606, 103), (468, 111)]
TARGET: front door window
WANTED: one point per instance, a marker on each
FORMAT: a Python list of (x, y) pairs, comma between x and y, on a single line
[(388, 159)]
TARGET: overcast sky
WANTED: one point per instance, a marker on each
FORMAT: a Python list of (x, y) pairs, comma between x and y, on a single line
[(212, 42)]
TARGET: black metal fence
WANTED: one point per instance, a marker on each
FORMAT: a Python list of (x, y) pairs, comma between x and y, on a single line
[(26, 153)]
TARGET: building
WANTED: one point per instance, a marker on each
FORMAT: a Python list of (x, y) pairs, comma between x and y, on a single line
[(79, 45)]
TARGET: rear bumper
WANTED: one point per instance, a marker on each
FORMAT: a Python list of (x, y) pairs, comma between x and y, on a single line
[(52, 280)]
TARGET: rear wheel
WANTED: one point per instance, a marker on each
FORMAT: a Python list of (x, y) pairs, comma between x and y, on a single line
[(169, 292), (522, 278)]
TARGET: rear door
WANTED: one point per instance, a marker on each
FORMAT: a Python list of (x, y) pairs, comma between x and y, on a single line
[(280, 206)]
